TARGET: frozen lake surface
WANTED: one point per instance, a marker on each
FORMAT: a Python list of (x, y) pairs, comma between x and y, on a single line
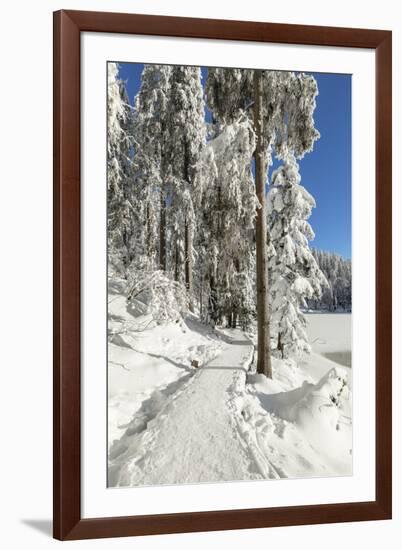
[(330, 335)]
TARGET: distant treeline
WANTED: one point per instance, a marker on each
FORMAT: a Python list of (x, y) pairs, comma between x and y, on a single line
[(337, 296)]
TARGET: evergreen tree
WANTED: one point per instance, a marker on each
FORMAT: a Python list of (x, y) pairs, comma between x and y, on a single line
[(281, 106), (119, 180), (225, 243), (338, 273), (150, 165), (294, 274), (187, 135)]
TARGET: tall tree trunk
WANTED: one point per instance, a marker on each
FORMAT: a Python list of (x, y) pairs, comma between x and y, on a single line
[(263, 328), (280, 345), (148, 251), (188, 262), (212, 300), (176, 262), (201, 288), (188, 241), (162, 234)]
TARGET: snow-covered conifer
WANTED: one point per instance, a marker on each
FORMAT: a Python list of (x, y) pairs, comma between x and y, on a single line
[(288, 104), (225, 243), (294, 273), (280, 105), (187, 135), (120, 206), (150, 130), (338, 272)]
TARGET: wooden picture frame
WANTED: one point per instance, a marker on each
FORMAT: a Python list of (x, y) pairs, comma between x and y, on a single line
[(68, 26)]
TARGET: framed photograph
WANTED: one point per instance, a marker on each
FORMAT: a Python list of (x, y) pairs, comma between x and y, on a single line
[(222, 275)]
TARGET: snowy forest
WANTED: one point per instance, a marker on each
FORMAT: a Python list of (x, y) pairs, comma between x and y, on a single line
[(227, 330), (337, 294)]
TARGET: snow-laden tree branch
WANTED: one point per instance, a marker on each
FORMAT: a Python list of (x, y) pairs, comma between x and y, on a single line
[(166, 300)]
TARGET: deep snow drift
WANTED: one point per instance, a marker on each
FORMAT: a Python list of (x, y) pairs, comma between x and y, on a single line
[(170, 422)]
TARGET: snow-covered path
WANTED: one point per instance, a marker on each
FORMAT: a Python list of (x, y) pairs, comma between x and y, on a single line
[(194, 438)]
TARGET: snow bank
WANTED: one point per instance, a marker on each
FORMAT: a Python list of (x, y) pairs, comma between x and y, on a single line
[(296, 427), (299, 424)]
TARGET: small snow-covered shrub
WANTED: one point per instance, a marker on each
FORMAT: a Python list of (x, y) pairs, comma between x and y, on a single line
[(116, 267), (166, 299)]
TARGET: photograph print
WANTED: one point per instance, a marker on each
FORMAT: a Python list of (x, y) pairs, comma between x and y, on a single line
[(229, 274)]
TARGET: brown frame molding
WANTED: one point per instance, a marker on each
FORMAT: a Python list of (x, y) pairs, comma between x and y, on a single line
[(68, 26)]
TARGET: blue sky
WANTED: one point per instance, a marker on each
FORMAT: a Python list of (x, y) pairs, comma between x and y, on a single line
[(326, 172)]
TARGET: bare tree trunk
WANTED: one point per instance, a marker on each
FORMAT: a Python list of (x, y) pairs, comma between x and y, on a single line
[(176, 263), (188, 261), (263, 328), (280, 345), (201, 289), (213, 300), (188, 241), (162, 234), (149, 251)]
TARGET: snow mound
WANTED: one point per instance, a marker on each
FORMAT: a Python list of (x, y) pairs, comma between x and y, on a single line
[(331, 393), (301, 432)]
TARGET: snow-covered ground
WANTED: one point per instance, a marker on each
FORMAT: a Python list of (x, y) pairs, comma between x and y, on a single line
[(194, 438), (147, 364), (170, 422), (302, 419)]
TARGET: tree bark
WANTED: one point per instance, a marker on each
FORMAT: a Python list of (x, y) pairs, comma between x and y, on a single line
[(280, 346), (149, 251), (201, 311), (212, 300), (176, 262), (263, 328), (188, 241), (162, 234), (188, 261)]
